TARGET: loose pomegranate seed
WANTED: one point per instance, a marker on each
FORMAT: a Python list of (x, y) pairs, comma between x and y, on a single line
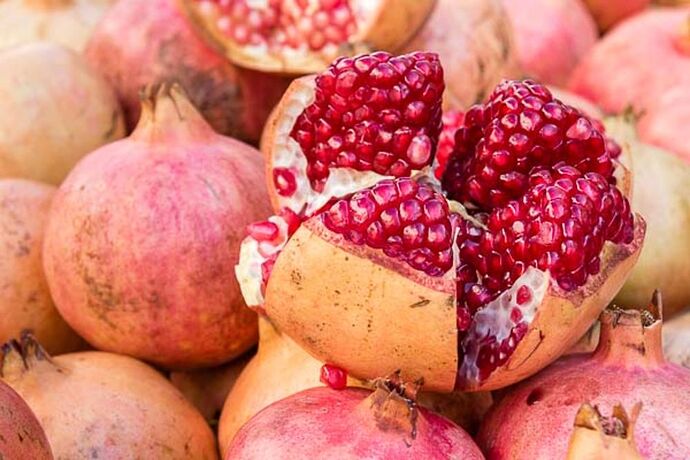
[(404, 219), (375, 112), (333, 376), (263, 231)]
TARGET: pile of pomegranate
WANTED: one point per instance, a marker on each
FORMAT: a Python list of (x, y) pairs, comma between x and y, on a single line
[(352, 229)]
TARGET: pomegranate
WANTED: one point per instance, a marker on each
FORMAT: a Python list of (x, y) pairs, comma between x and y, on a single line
[(677, 340), (55, 110), (25, 302), (139, 43), (404, 257), (664, 122), (616, 73), (65, 22), (279, 358), (599, 437), (144, 234), (660, 194), (101, 405), (627, 367), (349, 424), (672, 2), (21, 434), (608, 13), (474, 41), (303, 36), (551, 36)]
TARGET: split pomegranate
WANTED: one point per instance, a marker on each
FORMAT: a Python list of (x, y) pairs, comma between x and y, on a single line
[(66, 22), (144, 234), (350, 424), (475, 296), (139, 43), (659, 194), (616, 74), (102, 405), (551, 36), (664, 121), (303, 36), (21, 434), (599, 437), (627, 367), (677, 340), (60, 112), (25, 301), (608, 13)]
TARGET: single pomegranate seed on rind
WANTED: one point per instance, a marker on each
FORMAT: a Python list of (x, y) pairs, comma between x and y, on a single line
[(333, 377)]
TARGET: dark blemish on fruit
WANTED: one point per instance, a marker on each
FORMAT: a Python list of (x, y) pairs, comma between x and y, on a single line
[(296, 277), (421, 303), (535, 396), (638, 347)]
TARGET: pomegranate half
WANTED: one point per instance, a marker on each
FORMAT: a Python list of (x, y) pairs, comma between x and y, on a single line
[(627, 367), (101, 405), (418, 276), (144, 234), (21, 434), (298, 37), (350, 424)]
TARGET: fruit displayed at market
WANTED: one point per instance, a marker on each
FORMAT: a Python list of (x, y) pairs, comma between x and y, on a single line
[(618, 72), (141, 43), (66, 22), (25, 301), (600, 437), (101, 405), (21, 434), (608, 13), (145, 232), (47, 124), (352, 423), (551, 36), (628, 367)]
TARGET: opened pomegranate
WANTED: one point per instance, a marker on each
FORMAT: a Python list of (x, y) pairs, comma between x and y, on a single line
[(102, 405), (608, 13), (144, 234), (677, 340), (25, 301), (350, 424), (302, 36), (551, 36), (21, 434), (627, 367), (65, 22), (601, 437), (60, 112), (140, 43), (660, 195), (664, 121), (475, 296), (616, 73)]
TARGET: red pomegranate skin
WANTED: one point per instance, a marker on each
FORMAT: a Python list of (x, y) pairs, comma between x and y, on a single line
[(535, 418), (665, 122), (144, 235), (340, 424), (637, 62), (21, 434), (142, 42)]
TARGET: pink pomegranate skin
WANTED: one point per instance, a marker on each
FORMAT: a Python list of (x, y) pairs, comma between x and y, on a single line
[(666, 120), (534, 419), (341, 424), (144, 235), (551, 36), (608, 13), (21, 434), (618, 72)]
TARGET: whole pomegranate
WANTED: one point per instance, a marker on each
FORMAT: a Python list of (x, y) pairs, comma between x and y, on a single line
[(627, 367), (616, 73), (21, 434), (144, 234), (664, 121), (139, 43), (65, 22), (659, 194), (474, 282), (25, 301), (600, 437), (101, 405), (551, 36), (608, 13), (349, 424), (55, 109), (677, 340)]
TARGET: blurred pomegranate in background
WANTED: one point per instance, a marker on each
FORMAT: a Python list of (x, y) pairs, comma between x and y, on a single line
[(665, 120), (608, 13)]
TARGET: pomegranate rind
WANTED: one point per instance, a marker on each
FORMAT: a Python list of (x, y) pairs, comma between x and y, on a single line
[(347, 320), (388, 26)]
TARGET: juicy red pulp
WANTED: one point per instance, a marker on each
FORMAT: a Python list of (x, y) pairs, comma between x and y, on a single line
[(375, 112)]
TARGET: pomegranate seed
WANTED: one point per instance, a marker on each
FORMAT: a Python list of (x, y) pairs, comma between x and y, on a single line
[(284, 180), (263, 231), (333, 377)]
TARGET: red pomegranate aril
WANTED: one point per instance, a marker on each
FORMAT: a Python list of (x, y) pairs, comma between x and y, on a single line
[(333, 377), (263, 231), (285, 181)]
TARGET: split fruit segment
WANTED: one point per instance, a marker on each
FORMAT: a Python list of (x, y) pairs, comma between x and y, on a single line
[(304, 36), (473, 282)]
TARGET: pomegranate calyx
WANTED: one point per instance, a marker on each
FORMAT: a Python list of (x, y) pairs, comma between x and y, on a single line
[(394, 404), (599, 437), (20, 356)]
